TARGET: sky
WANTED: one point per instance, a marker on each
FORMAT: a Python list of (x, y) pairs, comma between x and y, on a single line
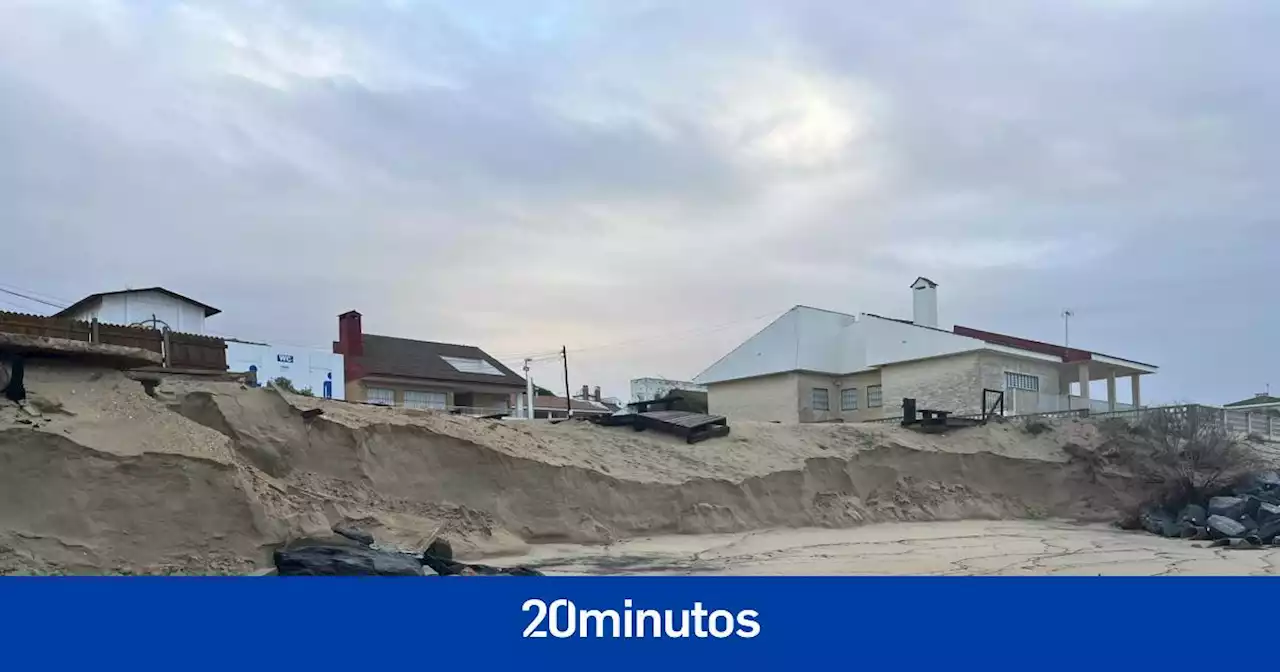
[(649, 182)]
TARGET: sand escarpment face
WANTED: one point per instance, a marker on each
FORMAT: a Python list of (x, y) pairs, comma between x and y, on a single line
[(197, 470)]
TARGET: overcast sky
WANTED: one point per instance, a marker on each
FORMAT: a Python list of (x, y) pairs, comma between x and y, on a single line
[(658, 178)]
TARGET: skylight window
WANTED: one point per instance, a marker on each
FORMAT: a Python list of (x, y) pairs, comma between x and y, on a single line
[(469, 365)]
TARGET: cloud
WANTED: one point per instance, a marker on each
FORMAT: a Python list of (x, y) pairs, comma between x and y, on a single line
[(529, 175)]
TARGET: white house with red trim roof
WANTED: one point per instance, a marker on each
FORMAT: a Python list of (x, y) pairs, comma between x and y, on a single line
[(814, 365)]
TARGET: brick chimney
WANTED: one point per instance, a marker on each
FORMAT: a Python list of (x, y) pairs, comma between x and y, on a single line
[(350, 335), (350, 345), (586, 392), (595, 394)]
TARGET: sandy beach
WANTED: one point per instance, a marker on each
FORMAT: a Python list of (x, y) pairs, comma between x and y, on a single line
[(961, 548)]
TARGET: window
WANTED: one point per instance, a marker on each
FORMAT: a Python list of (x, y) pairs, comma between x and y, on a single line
[(849, 399), (1021, 381), (472, 365), (821, 399), (380, 395), (874, 399), (436, 400)]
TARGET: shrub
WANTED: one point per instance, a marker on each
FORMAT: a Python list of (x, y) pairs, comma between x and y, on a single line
[(1189, 455)]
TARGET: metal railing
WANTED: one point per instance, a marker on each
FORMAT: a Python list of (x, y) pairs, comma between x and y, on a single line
[(1257, 425)]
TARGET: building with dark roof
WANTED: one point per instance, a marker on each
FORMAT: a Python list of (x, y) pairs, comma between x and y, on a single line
[(422, 374)]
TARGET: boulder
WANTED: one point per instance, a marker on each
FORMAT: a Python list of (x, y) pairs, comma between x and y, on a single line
[(1194, 532), (1269, 531), (439, 557), (1249, 523), (1159, 521), (343, 560), (354, 534), (1228, 507), (1267, 512), (1194, 514), (1246, 543), (1265, 480), (1221, 527)]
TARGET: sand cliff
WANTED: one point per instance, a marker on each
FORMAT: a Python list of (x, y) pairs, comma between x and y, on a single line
[(201, 477)]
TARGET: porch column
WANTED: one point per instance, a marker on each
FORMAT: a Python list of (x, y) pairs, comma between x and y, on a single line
[(1084, 384), (1111, 390), (1136, 386)]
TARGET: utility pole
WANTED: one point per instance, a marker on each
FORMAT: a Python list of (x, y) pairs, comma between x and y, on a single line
[(568, 393), (528, 395)]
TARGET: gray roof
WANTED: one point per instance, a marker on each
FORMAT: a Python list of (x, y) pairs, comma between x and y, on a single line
[(406, 357)]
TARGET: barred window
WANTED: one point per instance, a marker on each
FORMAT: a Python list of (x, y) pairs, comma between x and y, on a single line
[(849, 399), (821, 399), (1021, 381), (874, 399)]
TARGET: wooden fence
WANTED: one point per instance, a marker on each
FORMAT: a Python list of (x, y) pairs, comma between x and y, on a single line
[(180, 350)]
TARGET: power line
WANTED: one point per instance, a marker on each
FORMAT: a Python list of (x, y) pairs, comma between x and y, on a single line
[(32, 298)]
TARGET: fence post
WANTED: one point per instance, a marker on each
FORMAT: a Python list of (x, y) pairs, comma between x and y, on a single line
[(164, 348), (93, 331)]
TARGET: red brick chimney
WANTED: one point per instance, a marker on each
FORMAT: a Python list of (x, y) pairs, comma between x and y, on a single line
[(350, 335)]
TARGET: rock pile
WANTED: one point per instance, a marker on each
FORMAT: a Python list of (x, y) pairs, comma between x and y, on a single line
[(1247, 516), (353, 552)]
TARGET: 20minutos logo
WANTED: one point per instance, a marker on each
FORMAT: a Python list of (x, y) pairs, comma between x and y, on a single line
[(562, 618)]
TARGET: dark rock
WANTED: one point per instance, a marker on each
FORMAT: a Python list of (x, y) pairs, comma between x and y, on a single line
[(1248, 543), (1228, 507), (1194, 532), (354, 534), (1265, 480), (1194, 514), (1267, 512), (1221, 527), (1159, 521), (1249, 523), (1270, 530), (343, 560), (439, 557)]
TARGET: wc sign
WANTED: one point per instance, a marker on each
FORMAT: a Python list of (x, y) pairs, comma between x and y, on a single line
[(284, 359)]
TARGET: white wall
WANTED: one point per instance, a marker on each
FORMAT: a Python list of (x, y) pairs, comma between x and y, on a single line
[(304, 367), (134, 307), (648, 389)]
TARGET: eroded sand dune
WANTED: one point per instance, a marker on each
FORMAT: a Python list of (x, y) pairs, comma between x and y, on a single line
[(207, 477)]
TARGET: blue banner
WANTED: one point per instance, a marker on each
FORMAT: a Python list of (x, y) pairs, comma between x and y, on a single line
[(235, 624)]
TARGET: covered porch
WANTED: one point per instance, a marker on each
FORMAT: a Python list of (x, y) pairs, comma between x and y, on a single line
[(1099, 384)]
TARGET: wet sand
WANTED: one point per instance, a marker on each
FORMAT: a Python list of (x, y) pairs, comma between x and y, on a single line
[(937, 548)]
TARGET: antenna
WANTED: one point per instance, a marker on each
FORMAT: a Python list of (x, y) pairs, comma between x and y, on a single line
[(1066, 327)]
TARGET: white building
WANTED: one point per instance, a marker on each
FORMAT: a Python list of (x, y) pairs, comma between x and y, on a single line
[(151, 307), (306, 368), (648, 389), (813, 365)]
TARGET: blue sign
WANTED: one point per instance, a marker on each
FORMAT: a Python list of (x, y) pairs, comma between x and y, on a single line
[(640, 623)]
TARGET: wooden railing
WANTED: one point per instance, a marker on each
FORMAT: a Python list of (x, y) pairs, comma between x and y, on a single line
[(180, 350)]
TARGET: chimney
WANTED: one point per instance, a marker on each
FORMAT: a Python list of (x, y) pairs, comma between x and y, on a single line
[(595, 394), (350, 335), (586, 392), (925, 308)]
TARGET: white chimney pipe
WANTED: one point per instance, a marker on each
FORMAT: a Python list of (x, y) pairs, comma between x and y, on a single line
[(925, 299)]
